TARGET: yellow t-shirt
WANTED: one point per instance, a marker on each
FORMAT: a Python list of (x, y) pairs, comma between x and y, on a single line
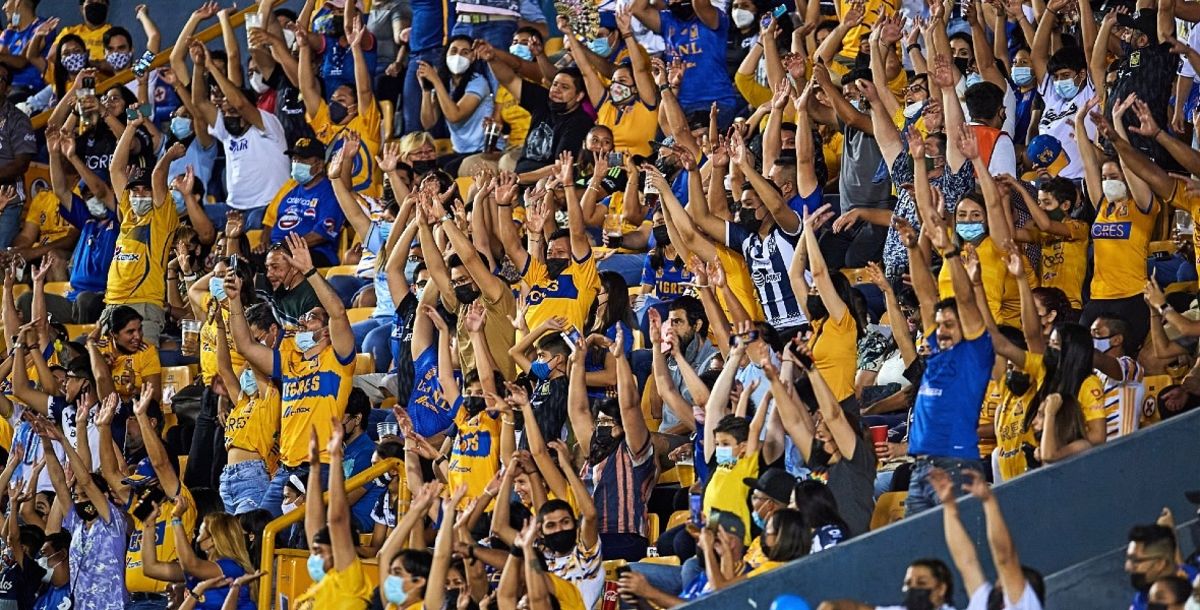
[(1064, 259), (870, 16), (1189, 204), (737, 276), (164, 535), (253, 424), (633, 125), (834, 346), (6, 434), (1011, 433), (751, 90), (1003, 295), (987, 415), (130, 371), (566, 592), (763, 568), (475, 457), (315, 390), (1091, 399), (513, 115), (366, 177), (93, 40), (139, 266), (208, 345), (1121, 239), (43, 212), (569, 295), (346, 589), (727, 492)]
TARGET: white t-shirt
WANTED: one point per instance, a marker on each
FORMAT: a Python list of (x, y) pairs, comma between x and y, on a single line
[(1193, 40), (255, 164), (1058, 120), (1028, 601)]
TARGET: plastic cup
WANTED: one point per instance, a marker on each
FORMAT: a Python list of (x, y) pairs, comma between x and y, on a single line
[(879, 434), (191, 337), (387, 428)]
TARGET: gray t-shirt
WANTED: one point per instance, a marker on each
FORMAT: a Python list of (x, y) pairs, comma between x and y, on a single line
[(16, 138), (698, 354), (852, 481), (856, 178)]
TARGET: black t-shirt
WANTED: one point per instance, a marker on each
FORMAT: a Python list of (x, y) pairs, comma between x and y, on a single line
[(1149, 72), (97, 146), (549, 133), (19, 583), (852, 482), (289, 108), (549, 402), (291, 304)]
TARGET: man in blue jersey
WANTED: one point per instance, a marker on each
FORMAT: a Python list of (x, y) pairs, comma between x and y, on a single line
[(944, 429), (695, 32), (307, 206)]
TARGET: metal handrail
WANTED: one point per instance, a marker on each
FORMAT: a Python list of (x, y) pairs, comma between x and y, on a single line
[(267, 591), (161, 59)]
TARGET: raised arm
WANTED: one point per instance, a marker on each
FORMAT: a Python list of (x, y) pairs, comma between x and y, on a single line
[(180, 50), (999, 227), (962, 548), (718, 400), (1004, 552), (816, 263), (340, 334), (233, 66), (257, 354)]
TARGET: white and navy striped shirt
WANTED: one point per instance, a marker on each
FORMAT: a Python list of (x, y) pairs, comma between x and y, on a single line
[(768, 260)]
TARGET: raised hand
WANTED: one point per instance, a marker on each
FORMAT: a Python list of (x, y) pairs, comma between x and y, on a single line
[(142, 406), (435, 317), (389, 156), (968, 144), (300, 259), (476, 316), (976, 485), (942, 484), (565, 168)]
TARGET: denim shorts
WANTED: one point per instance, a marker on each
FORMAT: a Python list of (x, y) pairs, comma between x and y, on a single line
[(243, 485)]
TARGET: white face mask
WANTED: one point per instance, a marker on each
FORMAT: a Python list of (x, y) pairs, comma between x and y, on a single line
[(288, 507), (742, 17), (97, 208), (913, 109), (457, 64), (1115, 190), (289, 37), (141, 205), (257, 82), (1191, 604)]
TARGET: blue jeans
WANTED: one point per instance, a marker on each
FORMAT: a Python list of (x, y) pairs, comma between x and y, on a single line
[(272, 500), (242, 486), (411, 97), (498, 33), (346, 286), (921, 496), (147, 604), (11, 221), (374, 336)]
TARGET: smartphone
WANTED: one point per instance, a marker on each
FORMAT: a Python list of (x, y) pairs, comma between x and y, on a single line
[(765, 22), (572, 336), (779, 11), (153, 496), (615, 159), (131, 113), (143, 63), (146, 110), (233, 263), (696, 508), (89, 83)]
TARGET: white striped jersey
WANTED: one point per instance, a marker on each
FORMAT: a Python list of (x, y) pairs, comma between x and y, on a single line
[(1123, 398), (768, 260)]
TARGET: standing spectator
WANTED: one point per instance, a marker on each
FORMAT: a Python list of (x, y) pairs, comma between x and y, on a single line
[(92, 30), (292, 295), (18, 144), (426, 41)]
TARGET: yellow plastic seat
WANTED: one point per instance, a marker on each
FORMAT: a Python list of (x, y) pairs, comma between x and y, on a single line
[(652, 529), (1166, 245), (253, 236), (678, 518), (1176, 287), (364, 364), (553, 47), (175, 378), (669, 560), (75, 331), (19, 289), (58, 288), (358, 314), (888, 509), (340, 270)]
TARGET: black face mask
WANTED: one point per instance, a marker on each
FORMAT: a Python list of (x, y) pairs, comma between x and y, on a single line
[(747, 219), (918, 599), (1139, 582), (661, 237), (963, 64), (995, 600), (1018, 383), (423, 167), (337, 112), (558, 107), (816, 307), (474, 405), (560, 542), (86, 510), (818, 457), (1155, 606), (555, 266), (337, 26), (96, 13), (603, 444), (683, 11), (466, 294), (234, 125), (666, 165)]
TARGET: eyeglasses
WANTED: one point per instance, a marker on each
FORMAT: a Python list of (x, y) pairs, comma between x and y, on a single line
[(1140, 560)]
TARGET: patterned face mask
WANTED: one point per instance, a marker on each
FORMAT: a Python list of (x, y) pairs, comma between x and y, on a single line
[(75, 62)]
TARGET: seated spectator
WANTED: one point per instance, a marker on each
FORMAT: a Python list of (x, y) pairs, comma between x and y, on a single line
[(306, 206)]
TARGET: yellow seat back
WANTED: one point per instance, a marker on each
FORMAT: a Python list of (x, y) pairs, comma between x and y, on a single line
[(58, 288), (175, 378), (358, 314), (888, 509), (364, 364), (678, 518)]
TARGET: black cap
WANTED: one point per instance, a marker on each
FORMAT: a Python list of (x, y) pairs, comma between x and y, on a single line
[(137, 176), (1144, 21), (728, 521), (776, 483), (306, 148)]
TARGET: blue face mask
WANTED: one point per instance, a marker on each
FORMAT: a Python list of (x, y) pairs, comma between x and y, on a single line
[(316, 567), (410, 270), (305, 340), (600, 47), (216, 287), (974, 78), (1022, 75), (181, 127), (1066, 88), (969, 231), (522, 51), (178, 198), (724, 455), (759, 522), (540, 369), (301, 172), (393, 590), (1102, 344), (248, 382)]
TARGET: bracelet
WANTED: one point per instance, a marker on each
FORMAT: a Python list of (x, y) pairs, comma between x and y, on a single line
[(517, 552), (446, 218), (952, 253), (909, 48), (1156, 134), (663, 88), (471, 552), (176, 521), (508, 422), (440, 459), (310, 273)]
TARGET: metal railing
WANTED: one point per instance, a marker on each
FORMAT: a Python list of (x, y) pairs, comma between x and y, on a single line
[(266, 592)]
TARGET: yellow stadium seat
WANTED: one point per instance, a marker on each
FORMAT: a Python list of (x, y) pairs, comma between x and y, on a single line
[(20, 289), (340, 270), (464, 185), (364, 364), (175, 378), (1175, 287), (58, 288), (75, 331), (388, 402), (253, 236), (888, 509), (652, 529), (669, 560), (678, 518), (1166, 246), (553, 47), (610, 568), (857, 275), (358, 314), (669, 476)]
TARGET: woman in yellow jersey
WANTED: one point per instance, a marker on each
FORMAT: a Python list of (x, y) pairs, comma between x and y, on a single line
[(1126, 210), (251, 432), (339, 579), (1064, 240), (412, 578), (629, 106)]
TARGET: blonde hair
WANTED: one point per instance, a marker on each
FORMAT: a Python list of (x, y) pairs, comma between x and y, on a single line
[(228, 538), (417, 139)]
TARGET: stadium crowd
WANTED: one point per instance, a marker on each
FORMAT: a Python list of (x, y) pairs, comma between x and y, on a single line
[(620, 303)]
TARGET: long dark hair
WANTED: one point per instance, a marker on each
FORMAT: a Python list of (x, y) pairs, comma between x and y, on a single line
[(1072, 364), (793, 538), (617, 309), (61, 77), (457, 91), (818, 505)]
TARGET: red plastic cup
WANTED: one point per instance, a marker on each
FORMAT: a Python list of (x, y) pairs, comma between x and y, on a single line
[(879, 434)]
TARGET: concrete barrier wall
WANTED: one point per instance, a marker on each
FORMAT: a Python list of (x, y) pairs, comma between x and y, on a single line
[(1060, 517)]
